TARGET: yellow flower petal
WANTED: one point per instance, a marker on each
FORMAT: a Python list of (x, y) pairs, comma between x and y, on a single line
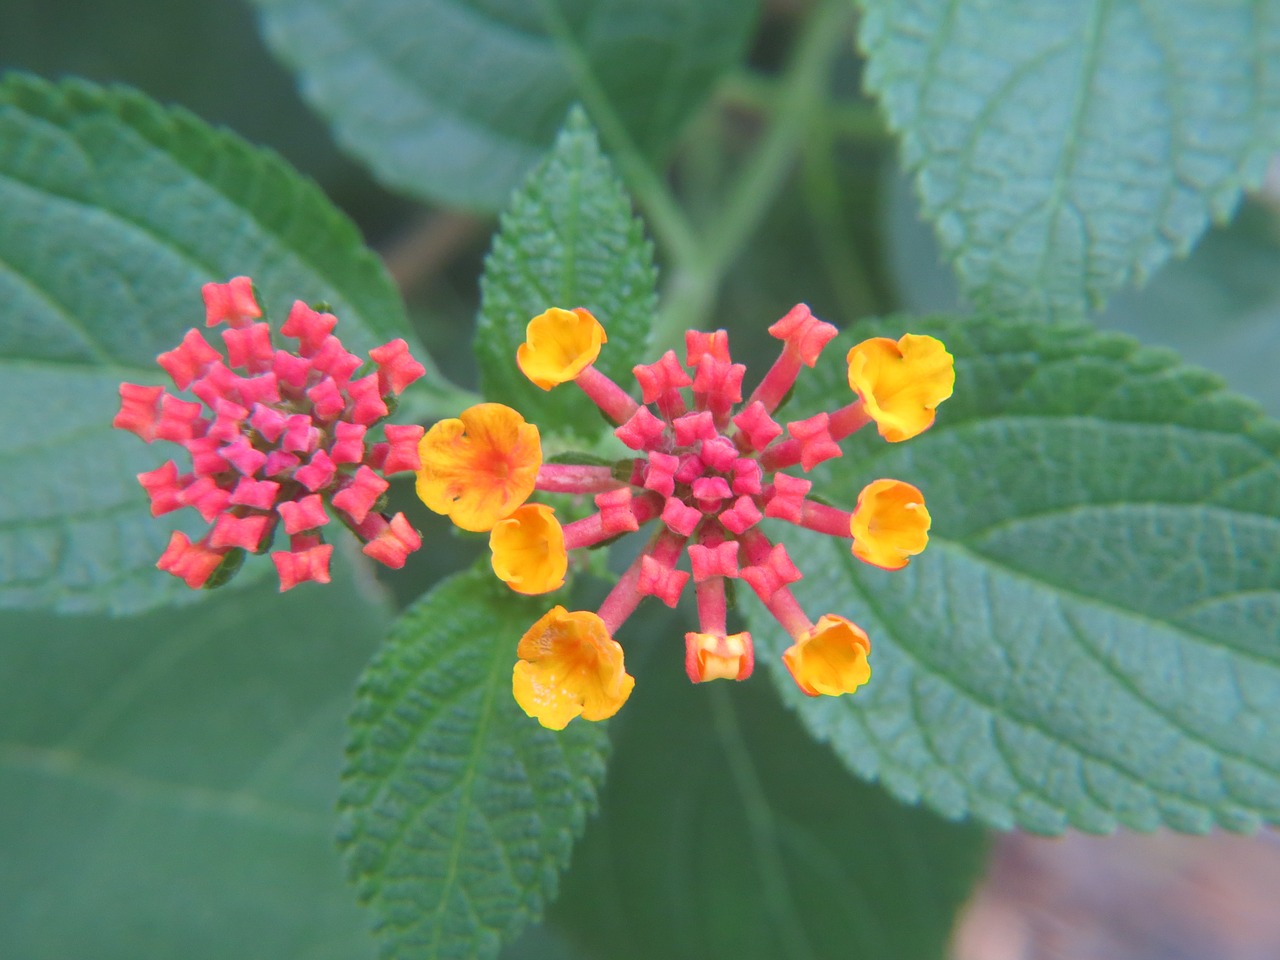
[(559, 345), (890, 524), (528, 550), (831, 657), (711, 656), (901, 382), (569, 666), (480, 467)]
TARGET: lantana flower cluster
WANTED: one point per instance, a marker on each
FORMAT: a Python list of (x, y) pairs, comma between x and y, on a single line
[(708, 467), (277, 438)]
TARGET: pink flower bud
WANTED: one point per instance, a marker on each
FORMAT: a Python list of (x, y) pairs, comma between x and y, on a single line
[(804, 334), (249, 348), (280, 462), (244, 532), (642, 430), (693, 427), (291, 370), (698, 345), (232, 301), (786, 502), (193, 562), (720, 560), (617, 515), (396, 368), (815, 440), (348, 442), (317, 474), (402, 452), (310, 327), (179, 420), (659, 473), (299, 566), (302, 515), (393, 544), (757, 426), (741, 517), (206, 497), (333, 359), (360, 494), (327, 399), (368, 407), (139, 410), (658, 579), (260, 494), (164, 486), (774, 571), (189, 360), (679, 517)]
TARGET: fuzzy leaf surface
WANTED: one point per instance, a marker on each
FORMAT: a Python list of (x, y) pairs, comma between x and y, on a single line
[(1063, 150), (456, 100), (569, 239), (167, 780), (1091, 637), (116, 212), (459, 811), (726, 833)]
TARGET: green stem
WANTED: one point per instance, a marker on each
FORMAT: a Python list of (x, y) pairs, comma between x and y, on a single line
[(844, 264), (857, 120), (801, 95), (665, 218)]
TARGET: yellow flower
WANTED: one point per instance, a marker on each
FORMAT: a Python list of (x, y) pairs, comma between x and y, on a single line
[(569, 666), (901, 382), (712, 656), (480, 467), (830, 657), (890, 524), (559, 345), (528, 550)]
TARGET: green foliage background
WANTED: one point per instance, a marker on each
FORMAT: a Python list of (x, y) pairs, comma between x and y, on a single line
[(1090, 641)]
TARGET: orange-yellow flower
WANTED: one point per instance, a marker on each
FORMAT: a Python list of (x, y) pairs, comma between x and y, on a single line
[(559, 345), (890, 524), (569, 666), (711, 656), (830, 657), (528, 550), (479, 467), (901, 382)]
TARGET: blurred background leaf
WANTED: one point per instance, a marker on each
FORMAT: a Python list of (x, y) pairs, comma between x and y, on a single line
[(1090, 638), (457, 101), (727, 834), (167, 781), (1062, 151)]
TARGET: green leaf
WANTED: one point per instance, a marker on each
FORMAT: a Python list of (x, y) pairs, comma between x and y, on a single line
[(167, 781), (1063, 150), (1091, 637), (568, 240), (459, 810), (456, 101), (726, 832), (116, 211)]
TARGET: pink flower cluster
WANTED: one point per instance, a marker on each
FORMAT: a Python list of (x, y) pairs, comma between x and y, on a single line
[(275, 438)]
